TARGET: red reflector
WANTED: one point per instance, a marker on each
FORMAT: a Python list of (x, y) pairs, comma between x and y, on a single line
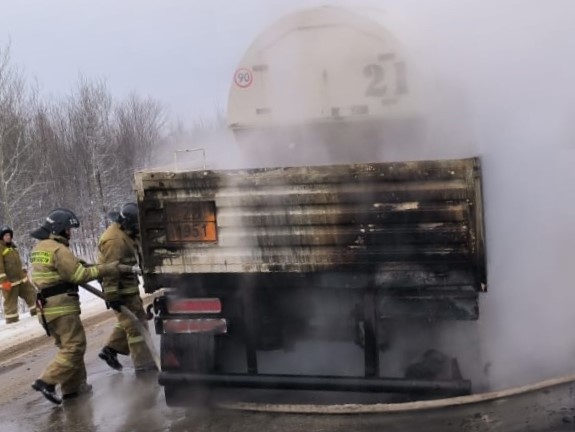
[(169, 359), (200, 325), (199, 305)]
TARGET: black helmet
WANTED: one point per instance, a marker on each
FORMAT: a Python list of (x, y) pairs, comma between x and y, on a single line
[(127, 217), (56, 223), (5, 229)]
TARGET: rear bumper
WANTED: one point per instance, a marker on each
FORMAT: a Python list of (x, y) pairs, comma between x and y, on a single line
[(319, 383)]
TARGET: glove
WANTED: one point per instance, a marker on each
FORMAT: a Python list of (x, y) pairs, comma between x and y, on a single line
[(6, 285), (109, 269), (124, 268), (115, 304)]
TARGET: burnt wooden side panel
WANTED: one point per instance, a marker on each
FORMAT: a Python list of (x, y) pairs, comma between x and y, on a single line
[(424, 216), (428, 171)]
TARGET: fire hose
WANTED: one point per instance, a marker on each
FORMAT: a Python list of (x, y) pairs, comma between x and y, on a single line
[(142, 329)]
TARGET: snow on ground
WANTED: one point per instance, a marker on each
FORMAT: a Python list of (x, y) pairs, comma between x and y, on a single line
[(28, 327)]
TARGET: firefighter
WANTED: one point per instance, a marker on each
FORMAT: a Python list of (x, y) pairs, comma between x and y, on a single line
[(13, 279), (120, 243), (56, 272)]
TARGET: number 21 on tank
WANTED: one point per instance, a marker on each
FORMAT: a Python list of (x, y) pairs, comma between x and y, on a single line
[(387, 78)]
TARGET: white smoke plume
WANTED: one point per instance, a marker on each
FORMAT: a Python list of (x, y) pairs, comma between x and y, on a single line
[(498, 78), (507, 67), (498, 75)]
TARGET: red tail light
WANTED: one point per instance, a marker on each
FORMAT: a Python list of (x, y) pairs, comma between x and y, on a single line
[(195, 306)]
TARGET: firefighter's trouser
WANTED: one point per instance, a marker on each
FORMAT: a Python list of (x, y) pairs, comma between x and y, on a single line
[(23, 289), (126, 339), (67, 367)]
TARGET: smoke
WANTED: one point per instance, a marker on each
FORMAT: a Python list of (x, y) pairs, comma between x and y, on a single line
[(512, 62), (205, 143), (496, 80), (500, 73)]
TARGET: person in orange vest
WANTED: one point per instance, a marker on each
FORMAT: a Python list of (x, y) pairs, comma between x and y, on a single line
[(13, 279)]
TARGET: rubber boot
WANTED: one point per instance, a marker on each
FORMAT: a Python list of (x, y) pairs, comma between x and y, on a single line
[(110, 356), (47, 390)]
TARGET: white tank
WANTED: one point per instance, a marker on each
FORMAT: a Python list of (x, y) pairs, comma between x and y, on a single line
[(317, 82)]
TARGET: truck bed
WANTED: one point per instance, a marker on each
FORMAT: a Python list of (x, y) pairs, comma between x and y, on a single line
[(412, 229)]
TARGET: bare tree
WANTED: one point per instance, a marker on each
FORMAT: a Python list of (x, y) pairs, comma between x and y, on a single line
[(20, 177), (79, 152), (140, 126), (90, 140)]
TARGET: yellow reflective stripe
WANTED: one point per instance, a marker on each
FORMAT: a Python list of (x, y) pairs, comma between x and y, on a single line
[(135, 339), (80, 270), (19, 281), (110, 290), (11, 316), (6, 251), (45, 275), (46, 279), (80, 273), (63, 361), (61, 310), (119, 326), (94, 273), (132, 290), (68, 307), (60, 313)]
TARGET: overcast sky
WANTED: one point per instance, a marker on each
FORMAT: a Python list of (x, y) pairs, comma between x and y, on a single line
[(182, 52)]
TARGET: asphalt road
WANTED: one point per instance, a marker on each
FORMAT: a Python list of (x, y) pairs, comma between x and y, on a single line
[(123, 402)]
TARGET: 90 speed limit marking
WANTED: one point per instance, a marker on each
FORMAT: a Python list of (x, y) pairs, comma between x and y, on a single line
[(243, 77)]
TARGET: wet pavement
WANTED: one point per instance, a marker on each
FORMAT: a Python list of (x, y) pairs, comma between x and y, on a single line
[(123, 402)]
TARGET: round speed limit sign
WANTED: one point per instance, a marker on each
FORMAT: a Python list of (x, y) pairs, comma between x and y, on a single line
[(243, 77)]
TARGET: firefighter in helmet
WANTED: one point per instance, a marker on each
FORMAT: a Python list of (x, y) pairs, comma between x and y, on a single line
[(120, 243), (56, 272), (13, 279)]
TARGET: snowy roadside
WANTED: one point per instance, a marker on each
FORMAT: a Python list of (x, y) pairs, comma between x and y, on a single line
[(28, 329)]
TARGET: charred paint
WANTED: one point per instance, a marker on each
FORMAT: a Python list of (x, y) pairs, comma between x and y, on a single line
[(410, 224)]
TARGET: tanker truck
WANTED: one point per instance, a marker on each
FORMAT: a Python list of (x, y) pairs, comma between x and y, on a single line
[(329, 263)]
